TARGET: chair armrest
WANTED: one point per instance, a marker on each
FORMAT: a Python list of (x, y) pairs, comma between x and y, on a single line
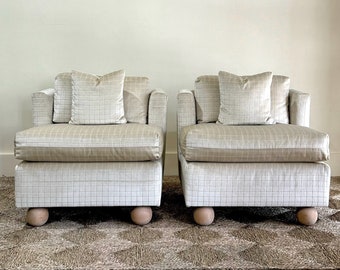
[(42, 107), (299, 108), (157, 109), (186, 109)]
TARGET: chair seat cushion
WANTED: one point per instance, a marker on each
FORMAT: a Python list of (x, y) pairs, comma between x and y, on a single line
[(262, 143), (86, 143)]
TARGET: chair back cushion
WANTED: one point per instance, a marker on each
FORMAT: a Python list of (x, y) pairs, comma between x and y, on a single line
[(136, 95), (207, 96)]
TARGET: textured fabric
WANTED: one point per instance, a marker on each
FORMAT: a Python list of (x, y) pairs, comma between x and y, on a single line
[(299, 108), (49, 184), (245, 100), (186, 114), (42, 107), (279, 99), (62, 98), (97, 100), (136, 99), (158, 109), (255, 184), (76, 143), (207, 95), (267, 143)]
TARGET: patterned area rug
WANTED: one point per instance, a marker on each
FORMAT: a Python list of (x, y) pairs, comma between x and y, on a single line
[(104, 238)]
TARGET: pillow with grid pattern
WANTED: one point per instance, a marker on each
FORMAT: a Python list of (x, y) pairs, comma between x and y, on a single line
[(245, 100), (62, 98), (97, 99), (136, 98)]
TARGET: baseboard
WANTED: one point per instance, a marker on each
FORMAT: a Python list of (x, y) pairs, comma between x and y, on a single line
[(334, 162), (171, 164), (8, 163)]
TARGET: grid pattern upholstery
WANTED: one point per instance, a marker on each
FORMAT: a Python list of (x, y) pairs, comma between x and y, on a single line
[(256, 182), (49, 184), (269, 143), (207, 97), (245, 100), (97, 100), (93, 183), (81, 143)]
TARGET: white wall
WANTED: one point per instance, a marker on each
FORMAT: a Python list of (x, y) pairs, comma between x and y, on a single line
[(172, 42)]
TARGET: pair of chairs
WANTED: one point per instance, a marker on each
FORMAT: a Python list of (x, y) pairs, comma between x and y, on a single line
[(75, 157)]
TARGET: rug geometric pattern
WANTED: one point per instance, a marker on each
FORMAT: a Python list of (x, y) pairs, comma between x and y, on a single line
[(105, 238)]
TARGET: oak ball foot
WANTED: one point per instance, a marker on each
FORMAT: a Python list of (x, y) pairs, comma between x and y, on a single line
[(141, 215), (37, 216), (204, 215), (307, 216)]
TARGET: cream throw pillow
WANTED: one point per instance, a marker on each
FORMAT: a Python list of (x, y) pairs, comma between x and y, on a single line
[(62, 98), (279, 97), (97, 99), (245, 100)]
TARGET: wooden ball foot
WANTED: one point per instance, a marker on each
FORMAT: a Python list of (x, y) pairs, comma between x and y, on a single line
[(307, 216), (204, 215), (141, 215), (37, 216)]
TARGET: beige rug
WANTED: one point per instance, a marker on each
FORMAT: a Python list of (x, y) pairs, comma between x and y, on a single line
[(104, 238)]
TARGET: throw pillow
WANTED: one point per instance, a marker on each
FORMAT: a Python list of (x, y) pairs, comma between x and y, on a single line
[(62, 98), (136, 99), (279, 97), (245, 100), (97, 99), (207, 96)]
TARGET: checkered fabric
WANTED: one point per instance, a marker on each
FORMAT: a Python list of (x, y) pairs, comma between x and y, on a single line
[(81, 143), (207, 95), (97, 100), (207, 180), (49, 184), (136, 98), (62, 98), (255, 184), (42, 107), (268, 143), (299, 106), (245, 100)]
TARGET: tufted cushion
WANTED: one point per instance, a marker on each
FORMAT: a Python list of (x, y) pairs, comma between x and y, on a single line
[(207, 96), (268, 143), (97, 99), (82, 143)]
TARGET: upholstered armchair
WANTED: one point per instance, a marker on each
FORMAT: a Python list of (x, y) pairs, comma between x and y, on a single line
[(245, 141), (96, 141)]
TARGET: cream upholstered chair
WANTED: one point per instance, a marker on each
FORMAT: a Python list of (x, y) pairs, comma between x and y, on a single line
[(91, 147), (245, 141)]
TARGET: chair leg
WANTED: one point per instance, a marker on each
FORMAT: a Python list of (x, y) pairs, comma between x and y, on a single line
[(204, 215), (141, 215), (307, 216), (37, 216)]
